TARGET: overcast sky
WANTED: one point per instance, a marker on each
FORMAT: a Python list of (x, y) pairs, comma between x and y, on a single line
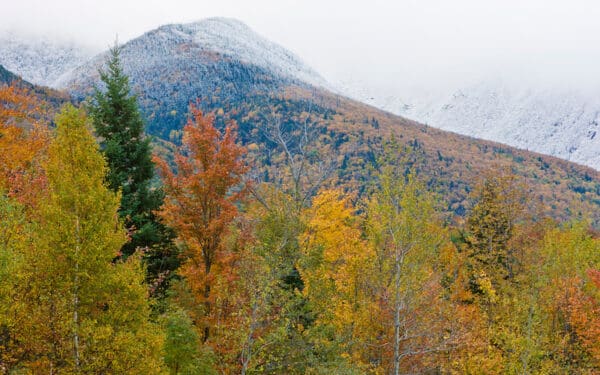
[(384, 43)]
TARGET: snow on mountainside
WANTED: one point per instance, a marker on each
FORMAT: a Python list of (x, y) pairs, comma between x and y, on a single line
[(234, 38), (215, 59), (40, 60), (549, 120), (224, 36)]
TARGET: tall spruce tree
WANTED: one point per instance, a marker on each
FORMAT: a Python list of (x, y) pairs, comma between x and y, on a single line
[(119, 124)]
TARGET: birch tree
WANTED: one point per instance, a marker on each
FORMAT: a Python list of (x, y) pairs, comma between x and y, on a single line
[(407, 235)]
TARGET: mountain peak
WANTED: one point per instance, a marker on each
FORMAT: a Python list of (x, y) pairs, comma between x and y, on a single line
[(224, 24), (233, 38)]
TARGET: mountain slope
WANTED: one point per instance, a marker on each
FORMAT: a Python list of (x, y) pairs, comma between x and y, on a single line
[(550, 120), (50, 99), (215, 59), (353, 134), (230, 69), (6, 76), (40, 60)]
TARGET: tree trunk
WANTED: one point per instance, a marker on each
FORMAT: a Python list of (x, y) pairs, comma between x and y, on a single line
[(397, 308), (76, 301)]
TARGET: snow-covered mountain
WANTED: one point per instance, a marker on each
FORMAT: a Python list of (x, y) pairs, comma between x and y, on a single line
[(216, 59), (258, 84), (542, 118), (224, 57), (40, 59), (234, 38), (214, 37)]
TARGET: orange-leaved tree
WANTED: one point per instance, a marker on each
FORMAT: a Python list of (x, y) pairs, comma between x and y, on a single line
[(578, 311), (200, 200), (22, 143)]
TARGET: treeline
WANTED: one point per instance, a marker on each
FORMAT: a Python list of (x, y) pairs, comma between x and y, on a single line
[(104, 271)]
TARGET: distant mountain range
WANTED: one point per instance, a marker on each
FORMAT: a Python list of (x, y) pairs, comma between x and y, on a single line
[(266, 88), (542, 118)]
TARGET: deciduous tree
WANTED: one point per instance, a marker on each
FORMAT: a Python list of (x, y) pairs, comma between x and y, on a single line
[(23, 142), (201, 201), (407, 237), (85, 313)]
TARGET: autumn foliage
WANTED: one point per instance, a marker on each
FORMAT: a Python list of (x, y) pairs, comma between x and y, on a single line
[(23, 142), (201, 201), (298, 277)]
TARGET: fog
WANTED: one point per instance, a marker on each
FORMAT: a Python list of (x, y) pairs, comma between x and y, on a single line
[(388, 45)]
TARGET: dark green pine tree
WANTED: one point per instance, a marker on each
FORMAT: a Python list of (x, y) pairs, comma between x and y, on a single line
[(119, 125)]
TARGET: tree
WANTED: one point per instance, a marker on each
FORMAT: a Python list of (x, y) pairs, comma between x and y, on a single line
[(201, 198), (306, 168), (407, 237), (84, 312), (277, 315), (582, 312), (499, 205), (13, 240), (23, 142), (119, 125), (334, 266), (182, 354), (569, 285)]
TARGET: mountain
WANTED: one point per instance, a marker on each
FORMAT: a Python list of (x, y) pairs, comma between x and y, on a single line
[(273, 96), (547, 119), (40, 60), (7, 77), (51, 98), (216, 59)]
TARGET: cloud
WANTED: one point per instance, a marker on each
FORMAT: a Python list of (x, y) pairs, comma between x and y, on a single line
[(384, 43)]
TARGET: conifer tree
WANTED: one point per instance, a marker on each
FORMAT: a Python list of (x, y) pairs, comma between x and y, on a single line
[(491, 225), (119, 124)]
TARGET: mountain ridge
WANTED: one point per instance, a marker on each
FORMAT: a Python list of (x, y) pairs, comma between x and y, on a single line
[(552, 120), (168, 69)]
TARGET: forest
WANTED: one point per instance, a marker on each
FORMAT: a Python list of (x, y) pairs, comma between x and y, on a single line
[(117, 259)]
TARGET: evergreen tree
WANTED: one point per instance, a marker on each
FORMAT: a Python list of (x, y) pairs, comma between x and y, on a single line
[(119, 124), (491, 225)]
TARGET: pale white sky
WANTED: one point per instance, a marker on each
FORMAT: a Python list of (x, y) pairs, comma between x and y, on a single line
[(385, 43)]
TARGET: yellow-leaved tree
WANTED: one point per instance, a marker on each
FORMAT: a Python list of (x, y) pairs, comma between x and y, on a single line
[(86, 314), (416, 320), (333, 268)]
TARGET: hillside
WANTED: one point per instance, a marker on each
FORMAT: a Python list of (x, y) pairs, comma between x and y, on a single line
[(351, 135), (226, 65), (6, 76), (52, 98), (40, 60), (549, 119)]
